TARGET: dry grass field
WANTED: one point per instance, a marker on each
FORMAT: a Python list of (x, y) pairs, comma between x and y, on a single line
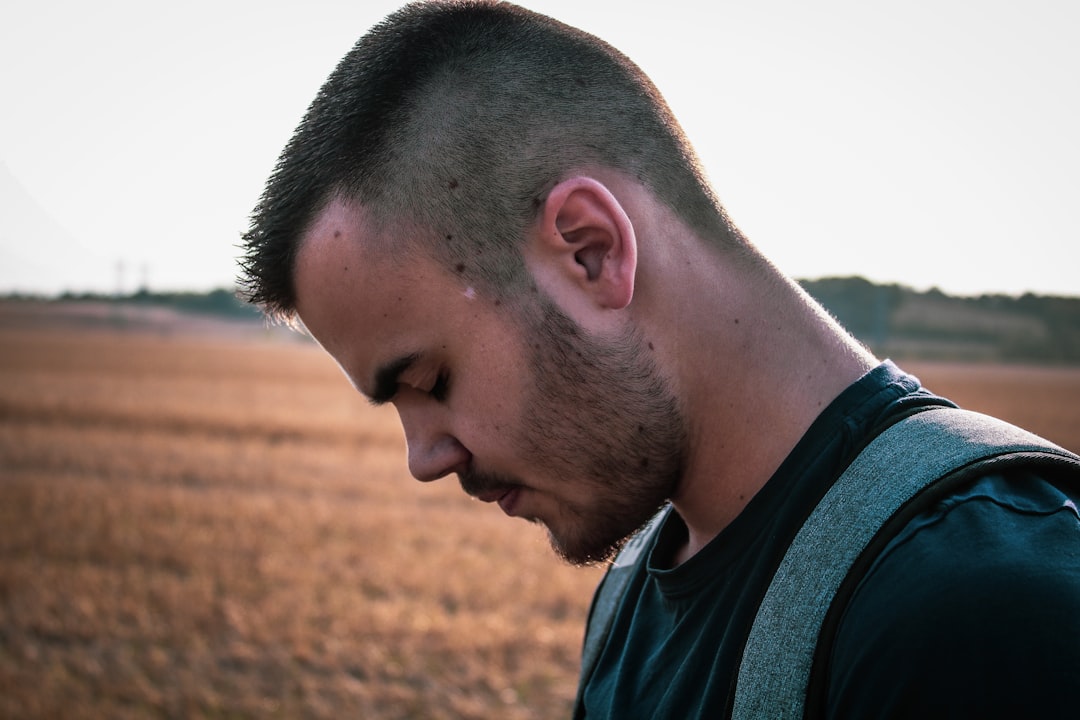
[(212, 525)]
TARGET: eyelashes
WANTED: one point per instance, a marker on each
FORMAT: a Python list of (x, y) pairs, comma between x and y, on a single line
[(440, 387)]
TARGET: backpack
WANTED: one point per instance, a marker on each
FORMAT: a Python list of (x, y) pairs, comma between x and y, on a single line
[(885, 486)]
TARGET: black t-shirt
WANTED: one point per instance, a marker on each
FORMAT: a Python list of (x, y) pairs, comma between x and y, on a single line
[(972, 611), (953, 620)]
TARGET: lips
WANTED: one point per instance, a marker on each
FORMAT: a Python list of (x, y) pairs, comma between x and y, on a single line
[(505, 497), (490, 496), (491, 488), (509, 500)]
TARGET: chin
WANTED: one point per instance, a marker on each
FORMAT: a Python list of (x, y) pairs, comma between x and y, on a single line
[(581, 552)]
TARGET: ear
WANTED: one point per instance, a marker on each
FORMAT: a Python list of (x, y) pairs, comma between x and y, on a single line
[(586, 240)]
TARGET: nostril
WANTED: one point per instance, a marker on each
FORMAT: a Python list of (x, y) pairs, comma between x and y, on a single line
[(432, 461)]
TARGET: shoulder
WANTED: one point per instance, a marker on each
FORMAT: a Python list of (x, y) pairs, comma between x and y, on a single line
[(973, 609)]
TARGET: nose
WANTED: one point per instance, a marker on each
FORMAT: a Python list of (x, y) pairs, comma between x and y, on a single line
[(434, 452)]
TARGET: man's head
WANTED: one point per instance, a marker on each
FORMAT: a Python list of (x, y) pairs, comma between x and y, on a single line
[(457, 119), (578, 430), (459, 220)]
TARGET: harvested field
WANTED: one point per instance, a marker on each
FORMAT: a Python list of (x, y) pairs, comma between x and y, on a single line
[(1044, 400), (212, 524)]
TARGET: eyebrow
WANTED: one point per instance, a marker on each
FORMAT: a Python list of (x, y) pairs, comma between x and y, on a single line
[(386, 378)]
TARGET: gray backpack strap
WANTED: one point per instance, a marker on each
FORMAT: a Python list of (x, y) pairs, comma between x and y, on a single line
[(607, 598), (898, 464)]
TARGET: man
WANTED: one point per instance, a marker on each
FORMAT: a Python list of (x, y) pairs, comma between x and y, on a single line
[(493, 221)]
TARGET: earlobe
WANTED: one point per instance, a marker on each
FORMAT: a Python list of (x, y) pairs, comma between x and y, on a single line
[(590, 238)]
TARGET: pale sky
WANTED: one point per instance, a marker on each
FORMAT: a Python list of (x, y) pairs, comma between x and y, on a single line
[(930, 142)]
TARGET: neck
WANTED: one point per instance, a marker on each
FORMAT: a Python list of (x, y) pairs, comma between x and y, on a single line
[(757, 361)]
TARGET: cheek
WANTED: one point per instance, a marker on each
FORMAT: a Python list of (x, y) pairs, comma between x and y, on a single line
[(493, 384), (498, 393), (483, 414), (495, 419)]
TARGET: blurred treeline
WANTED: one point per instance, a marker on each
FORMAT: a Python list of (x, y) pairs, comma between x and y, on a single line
[(218, 302), (892, 320), (902, 323)]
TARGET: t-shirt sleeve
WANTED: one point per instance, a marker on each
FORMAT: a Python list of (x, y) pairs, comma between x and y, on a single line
[(973, 610)]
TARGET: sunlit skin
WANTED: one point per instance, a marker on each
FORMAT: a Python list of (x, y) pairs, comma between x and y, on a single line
[(461, 368), (590, 451)]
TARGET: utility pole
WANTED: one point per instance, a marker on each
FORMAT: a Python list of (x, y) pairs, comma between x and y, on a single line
[(119, 279)]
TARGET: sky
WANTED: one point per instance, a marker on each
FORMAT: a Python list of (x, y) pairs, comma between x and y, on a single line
[(931, 143)]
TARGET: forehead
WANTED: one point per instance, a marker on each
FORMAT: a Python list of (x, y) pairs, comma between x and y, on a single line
[(340, 229), (335, 261), (343, 274), (345, 249), (366, 304)]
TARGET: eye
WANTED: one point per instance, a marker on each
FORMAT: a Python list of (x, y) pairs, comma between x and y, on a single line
[(440, 388)]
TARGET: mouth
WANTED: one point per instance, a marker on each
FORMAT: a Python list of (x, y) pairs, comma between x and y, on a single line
[(505, 497), (509, 500), (492, 488)]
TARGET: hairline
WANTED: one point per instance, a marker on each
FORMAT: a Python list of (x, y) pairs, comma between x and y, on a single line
[(678, 181), (397, 246)]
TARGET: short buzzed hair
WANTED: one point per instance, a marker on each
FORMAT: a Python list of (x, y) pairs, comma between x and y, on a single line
[(459, 117)]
